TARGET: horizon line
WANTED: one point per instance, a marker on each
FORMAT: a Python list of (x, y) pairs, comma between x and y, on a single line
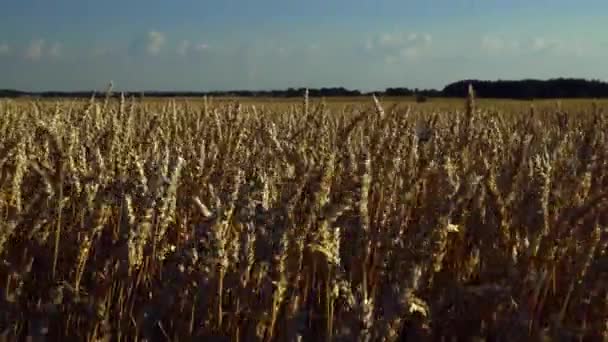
[(299, 88)]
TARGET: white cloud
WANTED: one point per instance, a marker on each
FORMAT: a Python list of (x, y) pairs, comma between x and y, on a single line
[(390, 59), (38, 49), (35, 50), (428, 39), (557, 46), (102, 51), (388, 40), (540, 44), (496, 44), (4, 49), (183, 47), (55, 50), (492, 44), (410, 52), (398, 46), (401, 39), (580, 50), (201, 47), (155, 42)]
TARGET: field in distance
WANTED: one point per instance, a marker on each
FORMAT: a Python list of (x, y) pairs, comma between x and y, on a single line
[(439, 103), (430, 104)]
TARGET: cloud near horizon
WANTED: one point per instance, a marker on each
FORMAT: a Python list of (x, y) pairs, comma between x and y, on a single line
[(185, 47), (39, 49), (399, 46), (34, 50), (156, 40), (496, 45), (55, 50), (5, 49), (151, 44)]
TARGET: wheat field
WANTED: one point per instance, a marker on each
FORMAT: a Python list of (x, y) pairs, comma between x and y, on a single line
[(178, 220)]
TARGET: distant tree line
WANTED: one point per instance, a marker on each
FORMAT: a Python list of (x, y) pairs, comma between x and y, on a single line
[(521, 89), (530, 89)]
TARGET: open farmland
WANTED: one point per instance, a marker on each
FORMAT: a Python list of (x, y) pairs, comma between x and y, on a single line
[(366, 220)]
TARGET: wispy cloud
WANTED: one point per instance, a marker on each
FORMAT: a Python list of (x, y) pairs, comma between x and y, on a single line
[(102, 51), (34, 50), (558, 46), (400, 39), (185, 47), (55, 50), (540, 44), (201, 47), (5, 49), (155, 42), (496, 44), (151, 43), (395, 47), (39, 49)]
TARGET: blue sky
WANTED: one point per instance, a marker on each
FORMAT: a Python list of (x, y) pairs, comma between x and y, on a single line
[(230, 44)]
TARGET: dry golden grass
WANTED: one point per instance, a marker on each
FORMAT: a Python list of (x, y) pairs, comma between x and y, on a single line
[(374, 221)]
